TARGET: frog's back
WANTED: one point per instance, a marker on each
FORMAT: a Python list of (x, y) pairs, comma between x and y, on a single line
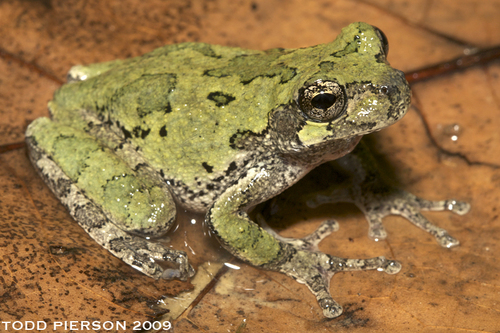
[(197, 114), (154, 72), (182, 105)]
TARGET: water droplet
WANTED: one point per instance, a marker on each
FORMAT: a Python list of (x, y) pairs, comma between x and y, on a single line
[(231, 265), (452, 131)]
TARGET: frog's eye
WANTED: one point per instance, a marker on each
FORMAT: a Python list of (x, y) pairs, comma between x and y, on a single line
[(322, 101), (383, 40)]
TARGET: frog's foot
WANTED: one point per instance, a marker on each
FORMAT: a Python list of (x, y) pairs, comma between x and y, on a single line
[(407, 205), (392, 201), (144, 255), (315, 269), (309, 242), (147, 257)]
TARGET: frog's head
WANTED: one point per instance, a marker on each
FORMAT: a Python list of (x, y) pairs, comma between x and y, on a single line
[(346, 89)]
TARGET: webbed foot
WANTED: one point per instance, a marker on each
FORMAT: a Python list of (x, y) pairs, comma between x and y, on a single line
[(393, 201), (147, 256), (315, 269)]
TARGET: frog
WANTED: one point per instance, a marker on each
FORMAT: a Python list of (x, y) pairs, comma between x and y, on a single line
[(218, 130)]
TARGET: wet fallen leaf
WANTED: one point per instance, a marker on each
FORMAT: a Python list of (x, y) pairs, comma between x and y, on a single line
[(447, 146)]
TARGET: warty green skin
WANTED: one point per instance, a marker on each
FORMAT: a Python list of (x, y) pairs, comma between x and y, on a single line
[(187, 106), (216, 129)]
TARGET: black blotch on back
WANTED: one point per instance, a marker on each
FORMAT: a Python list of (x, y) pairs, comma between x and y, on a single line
[(168, 108), (231, 168), (145, 133), (126, 133), (214, 73), (163, 131), (139, 132), (207, 167), (220, 98)]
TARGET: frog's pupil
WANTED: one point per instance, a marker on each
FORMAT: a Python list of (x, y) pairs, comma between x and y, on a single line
[(323, 101)]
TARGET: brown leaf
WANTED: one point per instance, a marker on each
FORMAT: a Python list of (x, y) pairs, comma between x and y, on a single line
[(447, 146)]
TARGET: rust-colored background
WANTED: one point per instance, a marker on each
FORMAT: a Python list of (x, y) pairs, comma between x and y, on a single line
[(52, 271)]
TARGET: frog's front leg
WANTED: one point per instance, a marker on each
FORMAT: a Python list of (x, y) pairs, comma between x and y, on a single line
[(296, 258), (377, 199), (112, 203)]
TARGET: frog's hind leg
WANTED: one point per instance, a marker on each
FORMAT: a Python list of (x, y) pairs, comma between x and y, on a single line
[(316, 269), (103, 195)]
